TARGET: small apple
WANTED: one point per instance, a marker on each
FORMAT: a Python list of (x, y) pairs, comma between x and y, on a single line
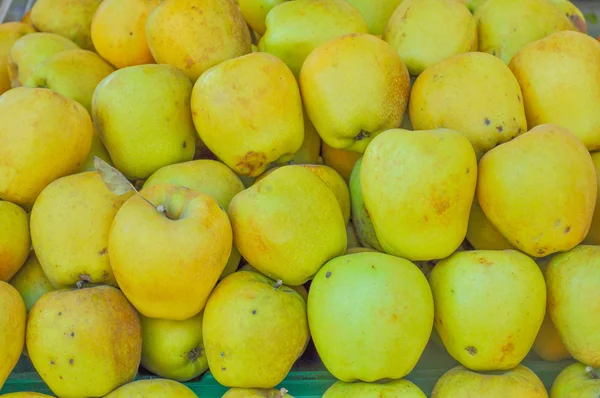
[(576, 381), (517, 382), (15, 241), (173, 349), (31, 282), (253, 322), (256, 393)]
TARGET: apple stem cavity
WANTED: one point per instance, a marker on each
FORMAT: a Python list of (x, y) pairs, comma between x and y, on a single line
[(593, 373), (278, 284)]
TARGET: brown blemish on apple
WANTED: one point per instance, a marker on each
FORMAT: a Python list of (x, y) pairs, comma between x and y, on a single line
[(71, 361), (578, 22), (103, 251), (471, 350), (251, 163), (484, 261), (362, 135), (328, 274), (441, 206), (499, 129), (507, 349), (487, 121), (567, 229)]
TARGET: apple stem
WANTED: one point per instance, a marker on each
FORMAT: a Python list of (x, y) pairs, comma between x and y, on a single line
[(278, 284), (162, 209), (593, 373)]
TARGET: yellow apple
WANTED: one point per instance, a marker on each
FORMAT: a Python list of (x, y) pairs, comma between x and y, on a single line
[(341, 160), (71, 19), (15, 240), (155, 388), (119, 31), (419, 210), (84, 342), (482, 234), (97, 150), (288, 224), (573, 13), (572, 278), (461, 382), (173, 349), (425, 32), (545, 176), (576, 381), (299, 288), (253, 100), (468, 287), (142, 114), (391, 389), (31, 50), (547, 344), (254, 330), (196, 35), (295, 28), (506, 26), (167, 264), (310, 150), (473, 93), (72, 73), (31, 282), (12, 329), (70, 224), (354, 87), (571, 65), (39, 127), (10, 32), (25, 395), (370, 294)]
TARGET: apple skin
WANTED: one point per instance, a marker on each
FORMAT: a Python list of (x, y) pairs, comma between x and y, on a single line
[(254, 330), (173, 349), (167, 265), (576, 381), (392, 389), (15, 241), (155, 388), (462, 382)]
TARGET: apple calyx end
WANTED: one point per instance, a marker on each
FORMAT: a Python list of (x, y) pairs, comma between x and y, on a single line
[(194, 354), (278, 284), (282, 392), (84, 280)]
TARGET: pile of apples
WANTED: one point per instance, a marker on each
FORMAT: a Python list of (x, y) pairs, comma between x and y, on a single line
[(193, 185)]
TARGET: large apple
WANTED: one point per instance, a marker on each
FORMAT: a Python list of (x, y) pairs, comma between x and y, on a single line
[(576, 381), (39, 127), (173, 349), (168, 263), (254, 330), (143, 116), (518, 382), (155, 388), (392, 389), (84, 342), (383, 297)]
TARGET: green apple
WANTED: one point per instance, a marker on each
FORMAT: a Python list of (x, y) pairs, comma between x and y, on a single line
[(376, 13), (31, 282), (254, 330), (255, 12), (576, 381), (365, 232), (392, 389), (370, 294), (143, 116), (97, 150), (72, 73), (173, 349), (295, 28), (71, 19), (30, 51)]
